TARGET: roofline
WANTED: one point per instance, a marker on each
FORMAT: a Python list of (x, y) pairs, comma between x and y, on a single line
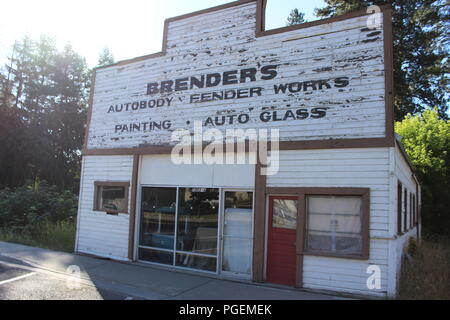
[(260, 25), (176, 18), (401, 147)]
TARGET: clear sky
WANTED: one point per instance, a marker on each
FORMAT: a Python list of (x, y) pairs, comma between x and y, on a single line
[(130, 28)]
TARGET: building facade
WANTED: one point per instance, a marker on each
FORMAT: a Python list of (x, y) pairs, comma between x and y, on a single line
[(333, 209)]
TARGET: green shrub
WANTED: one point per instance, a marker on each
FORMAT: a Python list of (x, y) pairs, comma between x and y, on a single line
[(22, 208), (38, 215)]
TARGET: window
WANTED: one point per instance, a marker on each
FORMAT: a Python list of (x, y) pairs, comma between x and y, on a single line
[(158, 224), (415, 211), (405, 212), (411, 206), (198, 217), (399, 208), (179, 226), (337, 225), (111, 197), (284, 214), (237, 232)]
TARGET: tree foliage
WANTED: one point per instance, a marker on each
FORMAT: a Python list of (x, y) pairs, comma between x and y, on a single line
[(295, 17), (426, 139), (105, 58), (421, 50), (22, 208), (43, 109)]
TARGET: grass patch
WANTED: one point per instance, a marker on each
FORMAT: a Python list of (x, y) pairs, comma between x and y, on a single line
[(426, 274), (59, 236)]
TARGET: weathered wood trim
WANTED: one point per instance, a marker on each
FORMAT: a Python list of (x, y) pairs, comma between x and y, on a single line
[(133, 199), (300, 241), (387, 141), (259, 225), (389, 74), (399, 207), (89, 111), (407, 159), (261, 32), (98, 184), (405, 217), (284, 145)]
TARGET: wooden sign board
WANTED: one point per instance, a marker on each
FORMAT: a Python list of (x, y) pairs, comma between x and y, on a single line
[(328, 80)]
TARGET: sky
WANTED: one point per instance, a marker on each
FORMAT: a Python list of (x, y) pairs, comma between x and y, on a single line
[(129, 28)]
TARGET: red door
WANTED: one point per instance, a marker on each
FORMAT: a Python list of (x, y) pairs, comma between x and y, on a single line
[(281, 253)]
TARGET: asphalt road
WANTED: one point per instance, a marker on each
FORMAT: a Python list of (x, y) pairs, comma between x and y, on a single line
[(21, 282)]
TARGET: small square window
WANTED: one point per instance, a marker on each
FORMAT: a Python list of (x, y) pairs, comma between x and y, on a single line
[(111, 197)]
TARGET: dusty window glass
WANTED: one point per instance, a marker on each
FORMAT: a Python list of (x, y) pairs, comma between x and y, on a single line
[(198, 218), (158, 217), (334, 224), (284, 214), (112, 198), (237, 232)]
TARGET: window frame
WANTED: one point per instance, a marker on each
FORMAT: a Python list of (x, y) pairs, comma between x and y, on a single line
[(411, 208), (365, 223), (220, 236), (399, 208), (405, 211), (99, 184), (415, 210)]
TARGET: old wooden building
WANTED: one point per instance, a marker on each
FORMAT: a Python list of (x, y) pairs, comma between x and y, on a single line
[(333, 215)]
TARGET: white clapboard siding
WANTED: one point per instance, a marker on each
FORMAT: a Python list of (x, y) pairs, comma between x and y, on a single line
[(344, 275), (225, 40), (404, 174), (99, 233), (403, 171), (351, 168), (161, 171)]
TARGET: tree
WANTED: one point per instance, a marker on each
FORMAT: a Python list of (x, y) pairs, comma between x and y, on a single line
[(421, 50), (45, 113), (105, 58), (426, 139), (295, 17)]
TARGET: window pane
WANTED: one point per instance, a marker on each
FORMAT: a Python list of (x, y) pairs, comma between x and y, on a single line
[(196, 262), (238, 214), (198, 215), (156, 256), (237, 255), (334, 224), (112, 198), (237, 243), (284, 214), (158, 217)]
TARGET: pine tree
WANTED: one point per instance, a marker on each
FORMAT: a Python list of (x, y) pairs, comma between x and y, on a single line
[(295, 17), (105, 58), (44, 115), (421, 50)]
